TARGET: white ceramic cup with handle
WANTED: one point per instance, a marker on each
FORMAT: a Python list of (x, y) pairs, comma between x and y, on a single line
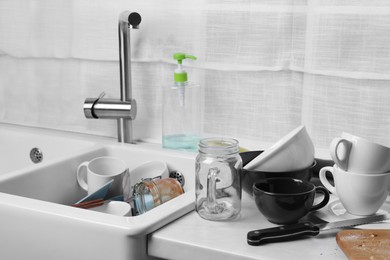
[(150, 169), (355, 154), (360, 194), (93, 174)]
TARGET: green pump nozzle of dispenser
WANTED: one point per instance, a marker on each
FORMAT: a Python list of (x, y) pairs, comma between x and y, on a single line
[(180, 75)]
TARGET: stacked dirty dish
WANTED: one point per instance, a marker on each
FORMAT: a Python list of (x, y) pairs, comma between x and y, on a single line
[(292, 156), (279, 178), (361, 174)]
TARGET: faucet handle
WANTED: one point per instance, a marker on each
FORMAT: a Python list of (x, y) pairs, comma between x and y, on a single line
[(101, 95), (95, 102), (110, 108), (89, 106)]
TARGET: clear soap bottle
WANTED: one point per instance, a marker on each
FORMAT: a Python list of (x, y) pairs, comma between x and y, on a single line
[(181, 110)]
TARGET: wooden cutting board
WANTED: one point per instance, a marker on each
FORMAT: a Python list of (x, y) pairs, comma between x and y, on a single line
[(365, 244)]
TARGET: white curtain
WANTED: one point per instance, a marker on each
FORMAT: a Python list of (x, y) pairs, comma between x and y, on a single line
[(265, 66)]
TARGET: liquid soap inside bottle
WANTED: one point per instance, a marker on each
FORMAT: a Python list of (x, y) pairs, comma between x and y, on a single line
[(181, 110), (181, 117)]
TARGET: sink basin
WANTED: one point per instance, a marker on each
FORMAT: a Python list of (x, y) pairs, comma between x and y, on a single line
[(18, 142), (38, 223)]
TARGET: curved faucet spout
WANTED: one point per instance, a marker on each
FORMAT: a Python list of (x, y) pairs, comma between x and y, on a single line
[(124, 109), (127, 20), (132, 19)]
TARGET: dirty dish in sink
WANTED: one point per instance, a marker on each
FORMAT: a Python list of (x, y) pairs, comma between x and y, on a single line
[(99, 194), (119, 208), (147, 170)]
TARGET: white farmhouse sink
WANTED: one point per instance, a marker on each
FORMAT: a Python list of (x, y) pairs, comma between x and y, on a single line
[(17, 142), (37, 223)]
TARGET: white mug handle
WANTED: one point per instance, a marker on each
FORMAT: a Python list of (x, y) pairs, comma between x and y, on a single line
[(341, 161), (81, 175), (325, 180)]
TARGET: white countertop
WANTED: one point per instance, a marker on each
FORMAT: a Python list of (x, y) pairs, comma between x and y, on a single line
[(193, 238)]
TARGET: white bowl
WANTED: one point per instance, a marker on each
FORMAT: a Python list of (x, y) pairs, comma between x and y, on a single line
[(294, 151)]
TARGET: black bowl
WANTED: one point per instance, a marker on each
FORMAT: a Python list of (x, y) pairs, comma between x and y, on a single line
[(248, 178), (311, 174), (249, 156)]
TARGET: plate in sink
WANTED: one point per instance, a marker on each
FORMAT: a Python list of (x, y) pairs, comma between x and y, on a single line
[(99, 194)]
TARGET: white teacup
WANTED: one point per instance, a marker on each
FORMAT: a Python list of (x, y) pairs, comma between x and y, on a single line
[(355, 154), (360, 194), (92, 175), (151, 169)]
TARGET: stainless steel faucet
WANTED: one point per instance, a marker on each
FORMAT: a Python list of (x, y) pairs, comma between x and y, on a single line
[(125, 108)]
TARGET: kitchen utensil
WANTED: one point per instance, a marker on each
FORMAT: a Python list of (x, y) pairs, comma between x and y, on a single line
[(286, 200), (361, 194), (291, 232), (292, 152), (365, 244), (89, 204)]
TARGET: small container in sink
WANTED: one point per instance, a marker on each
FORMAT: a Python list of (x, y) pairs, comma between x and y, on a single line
[(150, 193)]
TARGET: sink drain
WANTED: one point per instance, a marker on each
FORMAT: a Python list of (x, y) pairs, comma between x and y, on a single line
[(36, 155), (178, 176)]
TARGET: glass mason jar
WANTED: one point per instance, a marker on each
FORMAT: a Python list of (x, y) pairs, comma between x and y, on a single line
[(150, 193), (218, 184)]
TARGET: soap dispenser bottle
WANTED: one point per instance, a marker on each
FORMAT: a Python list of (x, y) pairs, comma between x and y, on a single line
[(181, 110)]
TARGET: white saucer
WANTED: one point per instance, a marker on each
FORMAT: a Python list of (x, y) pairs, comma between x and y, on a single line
[(335, 211)]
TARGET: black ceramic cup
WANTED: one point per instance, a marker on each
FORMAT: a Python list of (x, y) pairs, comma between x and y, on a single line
[(286, 200)]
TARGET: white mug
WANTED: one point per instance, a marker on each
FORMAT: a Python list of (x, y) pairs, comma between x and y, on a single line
[(151, 169), (94, 174), (360, 194), (355, 154)]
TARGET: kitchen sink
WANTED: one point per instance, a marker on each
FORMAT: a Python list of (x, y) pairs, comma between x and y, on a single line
[(23, 147), (38, 223)]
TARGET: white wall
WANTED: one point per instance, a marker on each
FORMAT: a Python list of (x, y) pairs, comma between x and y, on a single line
[(265, 66)]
